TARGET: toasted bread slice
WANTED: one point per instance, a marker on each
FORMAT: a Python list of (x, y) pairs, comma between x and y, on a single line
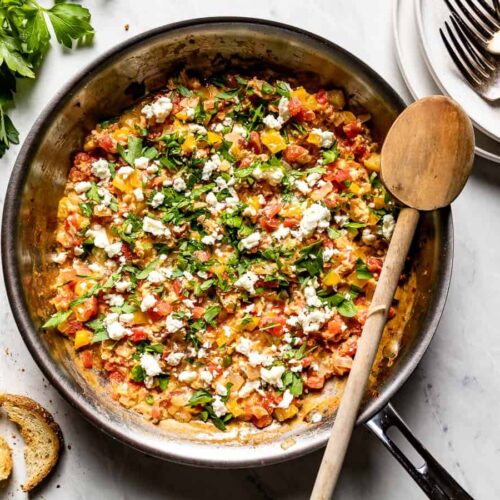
[(43, 437), (5, 460)]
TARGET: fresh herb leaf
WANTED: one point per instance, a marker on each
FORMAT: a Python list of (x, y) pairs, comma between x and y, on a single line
[(362, 272), (211, 313), (183, 90), (137, 374), (56, 319)]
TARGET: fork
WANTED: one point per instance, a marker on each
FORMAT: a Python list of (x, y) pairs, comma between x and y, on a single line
[(479, 67), (481, 21)]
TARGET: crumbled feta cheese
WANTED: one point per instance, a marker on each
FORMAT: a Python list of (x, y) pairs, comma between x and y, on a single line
[(314, 320), (220, 389), (82, 187), (152, 169), (141, 163), (283, 110), (115, 300), (160, 109), (100, 168), (123, 286), (249, 387), (274, 175), (388, 225), (157, 200), (315, 217), (114, 249), (156, 277), (239, 129), (197, 129), (227, 122), (205, 375), (211, 199), (209, 239), (273, 375), (311, 297), (313, 178), (210, 167), (173, 324), (139, 195), (287, 399), (328, 253), (100, 236), (341, 220), (179, 184), (249, 211), (251, 241), (113, 326), (78, 250), (124, 172), (293, 321), (325, 135), (219, 406), (126, 318), (272, 122), (247, 281), (148, 302), (302, 186), (174, 358), (187, 376), (368, 237), (60, 258), (154, 227), (281, 233)]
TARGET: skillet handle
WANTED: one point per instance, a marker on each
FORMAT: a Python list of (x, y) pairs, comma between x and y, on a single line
[(436, 483)]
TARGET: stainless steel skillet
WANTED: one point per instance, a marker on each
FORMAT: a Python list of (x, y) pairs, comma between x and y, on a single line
[(104, 89)]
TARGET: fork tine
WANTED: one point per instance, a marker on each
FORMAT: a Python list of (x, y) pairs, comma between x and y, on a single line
[(459, 15), (472, 35), (478, 52), (496, 5), (471, 79), (484, 30), (467, 59), (488, 17), (491, 11)]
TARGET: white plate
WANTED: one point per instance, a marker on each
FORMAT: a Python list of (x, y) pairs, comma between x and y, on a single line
[(431, 15), (415, 72)]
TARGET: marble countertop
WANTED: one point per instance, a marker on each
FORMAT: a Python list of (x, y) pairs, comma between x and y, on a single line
[(451, 401)]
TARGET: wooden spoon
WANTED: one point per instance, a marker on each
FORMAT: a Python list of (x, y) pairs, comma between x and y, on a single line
[(426, 160)]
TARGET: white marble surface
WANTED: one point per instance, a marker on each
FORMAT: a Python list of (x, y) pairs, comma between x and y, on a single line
[(452, 400)]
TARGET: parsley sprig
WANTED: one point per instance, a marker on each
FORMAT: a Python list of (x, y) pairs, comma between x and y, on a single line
[(24, 41)]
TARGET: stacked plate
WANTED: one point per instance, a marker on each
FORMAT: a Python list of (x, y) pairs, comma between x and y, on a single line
[(428, 69)]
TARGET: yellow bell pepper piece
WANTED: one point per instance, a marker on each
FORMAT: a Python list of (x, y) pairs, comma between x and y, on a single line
[(373, 162), (214, 138), (355, 188), (314, 139), (307, 100), (273, 140), (121, 135), (83, 286), (134, 180), (83, 337), (139, 318), (189, 143), (234, 408), (282, 414), (249, 325), (353, 279), (379, 202), (332, 279)]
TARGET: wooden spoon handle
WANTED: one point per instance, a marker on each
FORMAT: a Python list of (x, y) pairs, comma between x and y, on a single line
[(367, 348)]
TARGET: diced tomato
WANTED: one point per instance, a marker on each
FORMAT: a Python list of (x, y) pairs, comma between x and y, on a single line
[(197, 312), (294, 106), (315, 382), (69, 328), (87, 358), (273, 325), (352, 129), (337, 175), (106, 143), (138, 334), (307, 361), (322, 96), (177, 286), (374, 264), (163, 308), (116, 376), (127, 253), (86, 310), (82, 158), (334, 327), (202, 255), (291, 222), (261, 422), (255, 143), (245, 162), (359, 151), (269, 225), (294, 153), (156, 412), (391, 313), (306, 115), (271, 210)]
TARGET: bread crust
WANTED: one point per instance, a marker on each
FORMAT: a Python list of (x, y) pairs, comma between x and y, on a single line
[(5, 460), (19, 409)]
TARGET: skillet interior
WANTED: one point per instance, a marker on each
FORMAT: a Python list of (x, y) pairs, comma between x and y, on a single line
[(105, 89)]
